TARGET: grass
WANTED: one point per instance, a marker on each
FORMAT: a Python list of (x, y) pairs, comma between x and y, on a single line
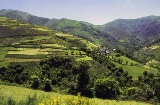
[(136, 70), (28, 46), (84, 58), (4, 64), (2, 55), (28, 51), (3, 52), (36, 38), (53, 46), (64, 35), (154, 47), (19, 94), (3, 18), (153, 64), (41, 29), (20, 60), (121, 41), (50, 50), (127, 59)]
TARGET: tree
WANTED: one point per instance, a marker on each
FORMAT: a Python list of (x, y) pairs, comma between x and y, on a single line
[(83, 77), (105, 88), (126, 62), (36, 82), (145, 73), (48, 86)]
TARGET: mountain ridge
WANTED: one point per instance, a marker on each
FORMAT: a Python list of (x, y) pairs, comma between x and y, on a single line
[(124, 34), (23, 16)]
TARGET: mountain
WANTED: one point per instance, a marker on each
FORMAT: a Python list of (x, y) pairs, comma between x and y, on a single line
[(128, 35), (12, 28), (131, 25), (84, 30), (133, 32), (23, 16), (78, 28)]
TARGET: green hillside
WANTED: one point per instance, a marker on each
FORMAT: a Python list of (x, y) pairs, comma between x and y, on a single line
[(23, 42), (78, 28), (15, 93), (67, 61), (23, 16), (149, 52)]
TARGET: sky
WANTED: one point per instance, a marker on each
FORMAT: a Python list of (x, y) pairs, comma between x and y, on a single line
[(97, 12)]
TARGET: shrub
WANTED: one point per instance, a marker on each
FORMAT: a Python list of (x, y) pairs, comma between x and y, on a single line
[(105, 88), (70, 100)]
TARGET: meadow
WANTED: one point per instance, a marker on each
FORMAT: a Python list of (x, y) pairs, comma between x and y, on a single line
[(19, 94), (134, 68)]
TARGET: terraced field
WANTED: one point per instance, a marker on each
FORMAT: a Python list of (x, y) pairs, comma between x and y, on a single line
[(41, 47)]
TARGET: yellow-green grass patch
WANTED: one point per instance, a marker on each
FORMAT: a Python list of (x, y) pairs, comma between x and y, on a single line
[(136, 70), (20, 94), (41, 29), (29, 51), (64, 35), (121, 41), (127, 59), (3, 18), (2, 55), (154, 47), (50, 50), (84, 58), (4, 64), (29, 46), (53, 46), (20, 60), (152, 62)]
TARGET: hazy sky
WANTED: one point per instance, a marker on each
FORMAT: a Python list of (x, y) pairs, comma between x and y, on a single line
[(94, 11)]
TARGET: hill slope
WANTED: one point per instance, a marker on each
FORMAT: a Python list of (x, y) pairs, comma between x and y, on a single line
[(23, 16), (81, 29), (133, 33), (16, 94)]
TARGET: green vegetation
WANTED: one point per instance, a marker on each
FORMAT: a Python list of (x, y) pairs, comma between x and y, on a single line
[(84, 58), (14, 94), (43, 59), (53, 46)]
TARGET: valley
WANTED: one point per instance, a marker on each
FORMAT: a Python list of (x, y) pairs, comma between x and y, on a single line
[(118, 60)]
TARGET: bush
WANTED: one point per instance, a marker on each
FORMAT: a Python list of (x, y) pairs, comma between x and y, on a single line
[(48, 86), (105, 88), (69, 100)]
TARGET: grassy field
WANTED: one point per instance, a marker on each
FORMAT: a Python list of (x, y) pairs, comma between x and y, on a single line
[(127, 59), (53, 46), (153, 64), (41, 29), (19, 93), (64, 35), (3, 52), (4, 64), (3, 18), (36, 38), (84, 58), (20, 60), (136, 70)]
